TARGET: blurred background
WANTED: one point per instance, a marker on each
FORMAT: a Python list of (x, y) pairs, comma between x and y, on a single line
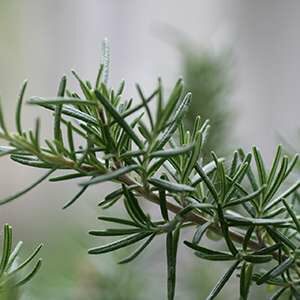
[(239, 58)]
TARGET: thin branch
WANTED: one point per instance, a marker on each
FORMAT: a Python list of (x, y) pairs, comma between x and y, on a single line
[(191, 217)]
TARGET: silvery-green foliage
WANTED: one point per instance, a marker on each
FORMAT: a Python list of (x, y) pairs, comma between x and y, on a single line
[(99, 136)]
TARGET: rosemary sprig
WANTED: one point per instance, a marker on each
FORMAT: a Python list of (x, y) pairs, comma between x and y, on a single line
[(241, 200)]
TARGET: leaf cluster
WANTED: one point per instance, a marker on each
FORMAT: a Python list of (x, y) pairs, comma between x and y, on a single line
[(100, 136), (11, 269)]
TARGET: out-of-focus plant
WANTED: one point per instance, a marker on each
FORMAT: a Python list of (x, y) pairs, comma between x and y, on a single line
[(207, 75), (163, 163)]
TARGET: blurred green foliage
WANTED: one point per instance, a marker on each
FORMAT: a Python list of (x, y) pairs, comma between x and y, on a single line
[(207, 74)]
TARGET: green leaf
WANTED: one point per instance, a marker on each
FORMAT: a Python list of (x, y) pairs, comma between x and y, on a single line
[(260, 166), (258, 259), (118, 221), (130, 154), (177, 118), (225, 230), (170, 186), (121, 88), (276, 271), (245, 280), (268, 250), (68, 177), (7, 245), (163, 202), (142, 128), (114, 196), (200, 230), (58, 101), (275, 212), (194, 157), (159, 100), (220, 284), (29, 276), (248, 236), (278, 293), (237, 178), (196, 127), (278, 237), (247, 198), (209, 254), (22, 192), (120, 243), (207, 182), (138, 251), (285, 194), (77, 196), (222, 176), (111, 175), (57, 115), (171, 104), (241, 220), (75, 113), (172, 152), (208, 169), (275, 164), (234, 164), (36, 140), (31, 161), (114, 232), (13, 256), (6, 150), (292, 214), (278, 180), (187, 209), (291, 166), (249, 172), (172, 245), (134, 206), (99, 75), (85, 89), (27, 261), (145, 105), (136, 108), (119, 119), (19, 107)]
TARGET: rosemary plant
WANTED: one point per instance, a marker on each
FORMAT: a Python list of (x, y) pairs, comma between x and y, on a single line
[(100, 136), (11, 269), (207, 76)]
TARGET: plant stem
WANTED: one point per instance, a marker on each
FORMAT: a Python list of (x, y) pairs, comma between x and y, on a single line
[(191, 217)]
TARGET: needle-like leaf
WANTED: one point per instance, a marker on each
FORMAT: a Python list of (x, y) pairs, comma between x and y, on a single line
[(173, 151), (276, 271), (19, 107), (170, 186), (216, 290), (120, 243), (26, 190), (114, 113), (245, 280), (110, 176), (138, 251)]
